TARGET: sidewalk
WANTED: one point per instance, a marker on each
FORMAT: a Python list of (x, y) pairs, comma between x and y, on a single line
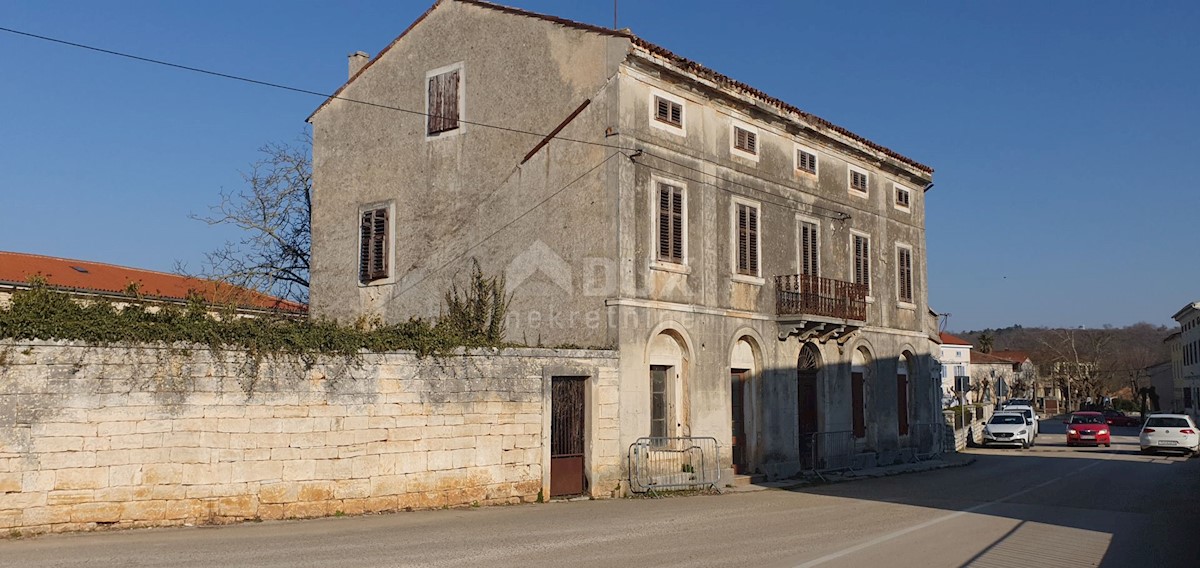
[(943, 462)]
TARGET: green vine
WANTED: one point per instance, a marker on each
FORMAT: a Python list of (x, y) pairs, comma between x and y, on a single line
[(45, 313)]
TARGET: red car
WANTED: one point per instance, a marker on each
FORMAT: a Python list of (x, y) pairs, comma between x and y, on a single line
[(1118, 418), (1088, 428)]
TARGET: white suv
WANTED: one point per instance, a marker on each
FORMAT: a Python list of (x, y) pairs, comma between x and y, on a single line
[(1170, 432), (1031, 417)]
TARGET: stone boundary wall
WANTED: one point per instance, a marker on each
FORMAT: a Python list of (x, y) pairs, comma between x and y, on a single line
[(156, 435)]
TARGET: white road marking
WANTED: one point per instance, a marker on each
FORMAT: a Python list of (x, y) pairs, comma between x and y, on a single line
[(897, 534)]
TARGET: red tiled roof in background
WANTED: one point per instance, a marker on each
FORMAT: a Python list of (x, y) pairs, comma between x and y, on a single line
[(948, 339), (981, 358), (16, 269), (1016, 357), (682, 62)]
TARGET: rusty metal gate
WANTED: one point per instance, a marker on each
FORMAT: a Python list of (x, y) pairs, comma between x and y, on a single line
[(567, 405)]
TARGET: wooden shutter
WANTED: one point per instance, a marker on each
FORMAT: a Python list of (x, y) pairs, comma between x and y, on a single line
[(670, 223), (858, 180), (443, 102), (904, 264), (747, 261), (808, 249), (677, 114), (745, 140), (373, 249), (806, 161), (862, 261)]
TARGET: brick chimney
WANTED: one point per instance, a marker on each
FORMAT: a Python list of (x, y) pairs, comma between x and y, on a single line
[(357, 60)]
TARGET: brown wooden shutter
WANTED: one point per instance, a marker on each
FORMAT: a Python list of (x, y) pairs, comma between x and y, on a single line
[(862, 267), (808, 249), (743, 253), (677, 114), (670, 223), (664, 109), (443, 102), (373, 250), (752, 239), (747, 256), (906, 277), (364, 252)]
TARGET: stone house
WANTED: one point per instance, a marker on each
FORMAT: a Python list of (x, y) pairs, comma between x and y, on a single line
[(1006, 374), (1185, 353), (760, 271), (954, 354)]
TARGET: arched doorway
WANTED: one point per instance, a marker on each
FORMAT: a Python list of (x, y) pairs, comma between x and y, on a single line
[(668, 358), (808, 367), (904, 393), (743, 367), (860, 377)]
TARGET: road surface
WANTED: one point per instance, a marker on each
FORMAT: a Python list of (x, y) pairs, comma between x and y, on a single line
[(1047, 506)]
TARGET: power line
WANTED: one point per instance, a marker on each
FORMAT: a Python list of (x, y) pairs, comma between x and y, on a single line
[(506, 225), (295, 89)]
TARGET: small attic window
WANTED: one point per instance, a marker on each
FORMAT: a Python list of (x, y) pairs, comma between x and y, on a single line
[(79, 269)]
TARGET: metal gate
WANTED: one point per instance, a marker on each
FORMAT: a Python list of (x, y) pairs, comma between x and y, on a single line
[(567, 435)]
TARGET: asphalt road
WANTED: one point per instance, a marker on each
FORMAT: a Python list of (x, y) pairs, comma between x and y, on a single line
[(1046, 506)]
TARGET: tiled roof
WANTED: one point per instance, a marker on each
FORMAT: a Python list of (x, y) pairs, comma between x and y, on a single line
[(978, 357), (16, 269), (948, 339), (1017, 357), (684, 63)]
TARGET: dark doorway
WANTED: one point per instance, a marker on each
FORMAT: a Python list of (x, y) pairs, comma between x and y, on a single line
[(902, 404), (738, 379), (857, 400), (567, 405), (806, 400)]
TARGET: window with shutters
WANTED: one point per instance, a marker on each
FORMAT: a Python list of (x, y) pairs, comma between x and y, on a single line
[(858, 180), (903, 197), (904, 274), (862, 261), (672, 226), (808, 248), (668, 111), (747, 239), (443, 101), (745, 140), (374, 245), (806, 160)]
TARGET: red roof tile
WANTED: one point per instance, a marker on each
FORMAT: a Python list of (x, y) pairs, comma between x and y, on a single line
[(1017, 357), (948, 339), (679, 61), (979, 357), (16, 269)]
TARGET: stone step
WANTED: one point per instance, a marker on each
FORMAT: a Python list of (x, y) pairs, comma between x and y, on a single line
[(744, 480)]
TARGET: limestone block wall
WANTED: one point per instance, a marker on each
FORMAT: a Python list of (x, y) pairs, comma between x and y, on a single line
[(159, 435)]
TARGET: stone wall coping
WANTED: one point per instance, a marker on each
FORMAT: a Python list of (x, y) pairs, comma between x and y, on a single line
[(459, 352)]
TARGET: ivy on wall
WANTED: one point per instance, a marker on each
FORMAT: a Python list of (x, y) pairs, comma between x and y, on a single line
[(44, 313)]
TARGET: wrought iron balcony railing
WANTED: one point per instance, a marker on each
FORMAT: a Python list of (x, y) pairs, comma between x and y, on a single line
[(805, 295)]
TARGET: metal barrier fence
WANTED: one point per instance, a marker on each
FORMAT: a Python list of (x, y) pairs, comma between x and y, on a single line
[(832, 451), (926, 440), (673, 463)]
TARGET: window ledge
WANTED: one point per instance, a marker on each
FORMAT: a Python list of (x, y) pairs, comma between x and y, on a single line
[(860, 193), (747, 279), (906, 305), (870, 299), (670, 267)]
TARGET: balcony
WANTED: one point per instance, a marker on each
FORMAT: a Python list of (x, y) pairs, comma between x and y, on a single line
[(822, 308)]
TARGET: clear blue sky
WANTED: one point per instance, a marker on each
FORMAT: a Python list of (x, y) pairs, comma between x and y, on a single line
[(1064, 134)]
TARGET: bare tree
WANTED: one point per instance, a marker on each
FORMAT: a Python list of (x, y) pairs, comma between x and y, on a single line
[(274, 210)]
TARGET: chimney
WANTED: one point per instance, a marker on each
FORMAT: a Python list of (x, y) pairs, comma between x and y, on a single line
[(357, 60)]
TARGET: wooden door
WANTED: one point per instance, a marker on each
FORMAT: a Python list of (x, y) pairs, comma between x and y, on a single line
[(737, 406), (857, 400), (902, 404)]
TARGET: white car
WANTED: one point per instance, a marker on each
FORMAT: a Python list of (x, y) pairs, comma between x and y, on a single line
[(1170, 432), (1031, 417), (1010, 428)]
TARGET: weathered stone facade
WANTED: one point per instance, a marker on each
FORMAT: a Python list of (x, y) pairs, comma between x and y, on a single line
[(94, 437), (575, 222)]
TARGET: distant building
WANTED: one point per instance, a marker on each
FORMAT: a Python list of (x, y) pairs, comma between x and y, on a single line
[(955, 355), (1162, 379), (1187, 346), (94, 280)]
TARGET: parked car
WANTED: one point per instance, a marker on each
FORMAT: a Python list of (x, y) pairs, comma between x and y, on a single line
[(1175, 432), (1088, 428), (1118, 418), (1016, 402), (1031, 417), (1010, 428)]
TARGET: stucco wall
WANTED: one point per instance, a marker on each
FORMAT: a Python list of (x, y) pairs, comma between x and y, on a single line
[(546, 224), (150, 436)]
